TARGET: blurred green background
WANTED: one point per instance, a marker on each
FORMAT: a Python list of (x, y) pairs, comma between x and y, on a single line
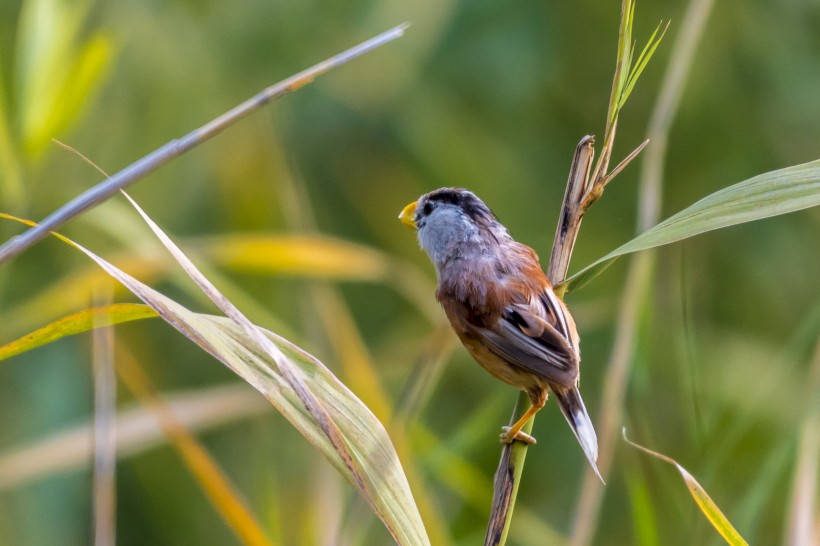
[(491, 96)]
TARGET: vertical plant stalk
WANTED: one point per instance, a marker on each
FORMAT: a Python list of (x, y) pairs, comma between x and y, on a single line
[(507, 479), (581, 192), (641, 266), (513, 455), (801, 527), (105, 449)]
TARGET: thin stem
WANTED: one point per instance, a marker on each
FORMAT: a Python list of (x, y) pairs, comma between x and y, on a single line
[(175, 148), (625, 162), (513, 455), (801, 514), (507, 479), (105, 450)]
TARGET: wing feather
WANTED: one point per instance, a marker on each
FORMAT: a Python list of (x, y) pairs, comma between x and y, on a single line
[(526, 339)]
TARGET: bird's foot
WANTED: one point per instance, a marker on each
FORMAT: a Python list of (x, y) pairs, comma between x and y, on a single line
[(507, 438)]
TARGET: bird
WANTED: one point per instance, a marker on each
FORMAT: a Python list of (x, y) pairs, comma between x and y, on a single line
[(502, 307)]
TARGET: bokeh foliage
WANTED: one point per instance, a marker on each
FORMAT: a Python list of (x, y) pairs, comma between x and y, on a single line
[(488, 95)]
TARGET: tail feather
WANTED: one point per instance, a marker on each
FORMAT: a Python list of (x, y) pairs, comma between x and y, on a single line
[(572, 406)]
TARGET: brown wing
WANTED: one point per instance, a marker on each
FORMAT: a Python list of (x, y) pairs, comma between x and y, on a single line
[(526, 339)]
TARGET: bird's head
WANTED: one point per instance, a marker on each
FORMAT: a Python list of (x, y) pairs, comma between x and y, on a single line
[(452, 221)]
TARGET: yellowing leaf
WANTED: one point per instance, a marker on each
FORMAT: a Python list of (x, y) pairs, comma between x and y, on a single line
[(299, 255), (703, 500), (77, 323), (320, 257)]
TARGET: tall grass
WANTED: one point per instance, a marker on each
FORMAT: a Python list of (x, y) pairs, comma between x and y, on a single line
[(710, 347)]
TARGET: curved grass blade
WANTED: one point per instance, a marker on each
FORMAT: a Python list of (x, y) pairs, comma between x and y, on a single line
[(703, 500), (363, 469), (323, 409), (77, 323), (769, 194)]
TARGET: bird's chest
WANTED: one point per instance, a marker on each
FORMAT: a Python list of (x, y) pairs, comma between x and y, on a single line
[(470, 297)]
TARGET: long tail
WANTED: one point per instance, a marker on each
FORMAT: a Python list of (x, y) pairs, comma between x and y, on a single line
[(573, 409)]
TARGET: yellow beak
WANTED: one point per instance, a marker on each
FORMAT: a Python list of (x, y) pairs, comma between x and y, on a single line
[(407, 214)]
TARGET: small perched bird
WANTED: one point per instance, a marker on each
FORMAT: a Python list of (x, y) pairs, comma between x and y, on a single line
[(502, 307)]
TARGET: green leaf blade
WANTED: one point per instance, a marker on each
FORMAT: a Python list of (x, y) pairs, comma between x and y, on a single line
[(763, 196), (643, 59)]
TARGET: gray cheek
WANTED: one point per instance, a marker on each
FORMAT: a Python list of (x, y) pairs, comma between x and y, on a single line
[(444, 233), (432, 243)]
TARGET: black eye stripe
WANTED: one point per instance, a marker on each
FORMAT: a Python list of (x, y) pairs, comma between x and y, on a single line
[(428, 208)]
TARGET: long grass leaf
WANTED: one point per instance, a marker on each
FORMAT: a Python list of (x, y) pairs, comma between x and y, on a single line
[(319, 257), (312, 256), (702, 499), (769, 194), (365, 473), (300, 387)]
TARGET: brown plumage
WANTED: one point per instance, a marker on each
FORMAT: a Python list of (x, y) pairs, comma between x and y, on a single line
[(502, 307)]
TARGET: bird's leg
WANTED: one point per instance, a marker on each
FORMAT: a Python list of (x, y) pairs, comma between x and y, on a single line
[(510, 434)]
